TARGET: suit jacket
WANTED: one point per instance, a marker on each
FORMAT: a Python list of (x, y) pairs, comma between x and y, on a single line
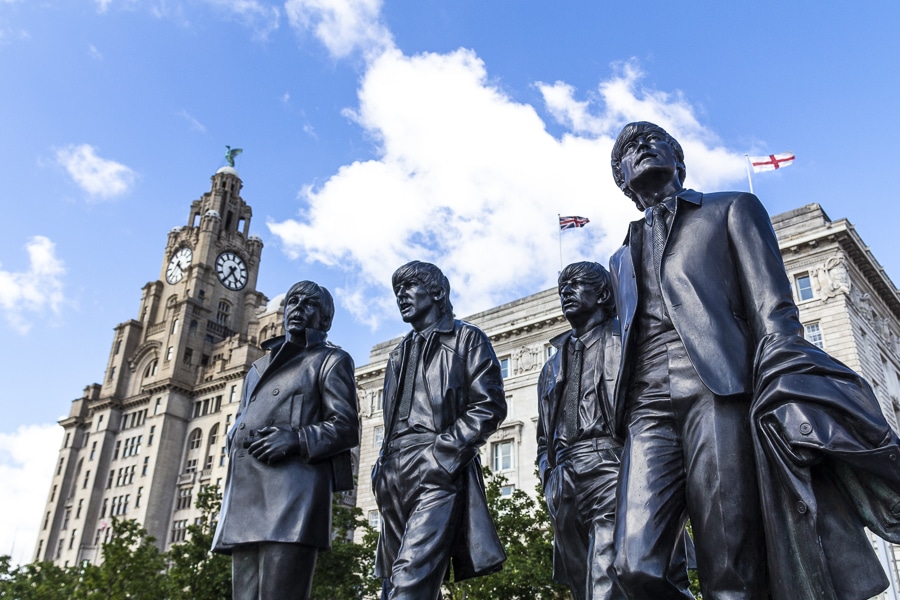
[(464, 384), (723, 283), (312, 390), (552, 389)]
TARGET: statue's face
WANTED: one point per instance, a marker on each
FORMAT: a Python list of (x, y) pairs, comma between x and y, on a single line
[(647, 154), (302, 311), (414, 300), (579, 300)]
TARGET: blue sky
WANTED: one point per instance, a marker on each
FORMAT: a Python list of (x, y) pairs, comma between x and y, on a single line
[(378, 132)]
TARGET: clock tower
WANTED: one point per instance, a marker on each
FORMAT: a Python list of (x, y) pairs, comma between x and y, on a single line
[(141, 444)]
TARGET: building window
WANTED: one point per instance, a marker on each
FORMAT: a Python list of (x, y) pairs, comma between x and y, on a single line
[(46, 520), (233, 395), (157, 406), (116, 451), (502, 459), (60, 466), (223, 313), (179, 529), (150, 437), (174, 325), (87, 477), (78, 510), (813, 334), (146, 466), (374, 520), (103, 508), (222, 455), (66, 518), (213, 435), (506, 491), (118, 346), (109, 481), (504, 367), (93, 450), (184, 499), (190, 466), (53, 494), (112, 374), (194, 439), (188, 355), (137, 499), (169, 352), (804, 287), (99, 422), (72, 539), (379, 436)]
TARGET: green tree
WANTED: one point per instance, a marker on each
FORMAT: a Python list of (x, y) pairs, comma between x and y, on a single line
[(524, 529), (35, 581), (195, 572), (132, 567), (346, 572)]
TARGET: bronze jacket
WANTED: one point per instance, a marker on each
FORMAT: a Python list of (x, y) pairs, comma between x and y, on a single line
[(313, 391), (552, 387), (463, 381), (723, 283)]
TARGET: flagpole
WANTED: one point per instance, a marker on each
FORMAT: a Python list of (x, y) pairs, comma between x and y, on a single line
[(559, 233), (749, 178)]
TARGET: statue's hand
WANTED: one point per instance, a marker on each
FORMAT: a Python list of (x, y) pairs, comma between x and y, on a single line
[(275, 444)]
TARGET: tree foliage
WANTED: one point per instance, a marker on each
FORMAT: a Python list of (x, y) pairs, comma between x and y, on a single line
[(346, 572), (195, 572), (524, 529)]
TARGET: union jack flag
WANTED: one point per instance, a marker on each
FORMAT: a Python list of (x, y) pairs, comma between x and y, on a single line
[(572, 222)]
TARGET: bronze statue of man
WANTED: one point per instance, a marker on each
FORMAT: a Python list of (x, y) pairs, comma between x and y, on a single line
[(443, 397), (714, 402), (578, 452), (289, 450)]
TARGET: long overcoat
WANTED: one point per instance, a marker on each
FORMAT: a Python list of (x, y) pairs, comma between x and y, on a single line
[(312, 390), (464, 383)]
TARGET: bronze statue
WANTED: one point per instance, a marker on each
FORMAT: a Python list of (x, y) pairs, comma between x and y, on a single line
[(578, 453), (230, 153), (289, 449), (730, 418), (443, 397)]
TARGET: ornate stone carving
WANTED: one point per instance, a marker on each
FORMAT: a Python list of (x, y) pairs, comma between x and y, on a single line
[(527, 358), (831, 279)]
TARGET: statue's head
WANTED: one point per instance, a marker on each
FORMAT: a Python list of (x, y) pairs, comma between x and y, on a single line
[(584, 289), (418, 286), (308, 305), (630, 134)]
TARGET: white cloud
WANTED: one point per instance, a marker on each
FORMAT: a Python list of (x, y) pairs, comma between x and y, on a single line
[(194, 123), (94, 53), (344, 26), (33, 291), (470, 179), (27, 460), (263, 19), (102, 5), (99, 177)]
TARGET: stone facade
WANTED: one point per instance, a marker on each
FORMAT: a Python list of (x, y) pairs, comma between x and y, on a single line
[(142, 443)]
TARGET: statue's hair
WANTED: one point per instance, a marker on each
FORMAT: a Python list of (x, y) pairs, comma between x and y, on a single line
[(429, 276), (596, 276), (628, 133), (326, 302)]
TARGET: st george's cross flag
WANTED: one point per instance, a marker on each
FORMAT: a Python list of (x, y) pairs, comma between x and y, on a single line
[(572, 222), (771, 162)]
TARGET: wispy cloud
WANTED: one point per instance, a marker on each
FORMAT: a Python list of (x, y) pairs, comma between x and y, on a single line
[(27, 458), (343, 26), (469, 178), (101, 178), (194, 123), (257, 15), (29, 294), (94, 53)]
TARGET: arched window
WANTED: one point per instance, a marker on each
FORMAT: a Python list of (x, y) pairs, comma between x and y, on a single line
[(194, 439), (151, 369), (213, 435)]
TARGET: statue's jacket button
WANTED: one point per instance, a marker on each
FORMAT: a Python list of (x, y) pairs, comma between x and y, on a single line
[(801, 507), (275, 392), (805, 428)]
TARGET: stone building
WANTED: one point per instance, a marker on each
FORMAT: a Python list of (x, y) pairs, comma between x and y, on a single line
[(140, 444)]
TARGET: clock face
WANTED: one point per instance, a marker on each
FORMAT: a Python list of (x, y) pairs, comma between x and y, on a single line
[(178, 265), (231, 270)]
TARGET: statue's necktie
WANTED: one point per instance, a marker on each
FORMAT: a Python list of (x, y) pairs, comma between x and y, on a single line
[(660, 231), (573, 390), (409, 376)]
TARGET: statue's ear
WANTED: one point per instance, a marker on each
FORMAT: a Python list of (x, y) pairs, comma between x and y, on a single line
[(605, 296), (438, 295)]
